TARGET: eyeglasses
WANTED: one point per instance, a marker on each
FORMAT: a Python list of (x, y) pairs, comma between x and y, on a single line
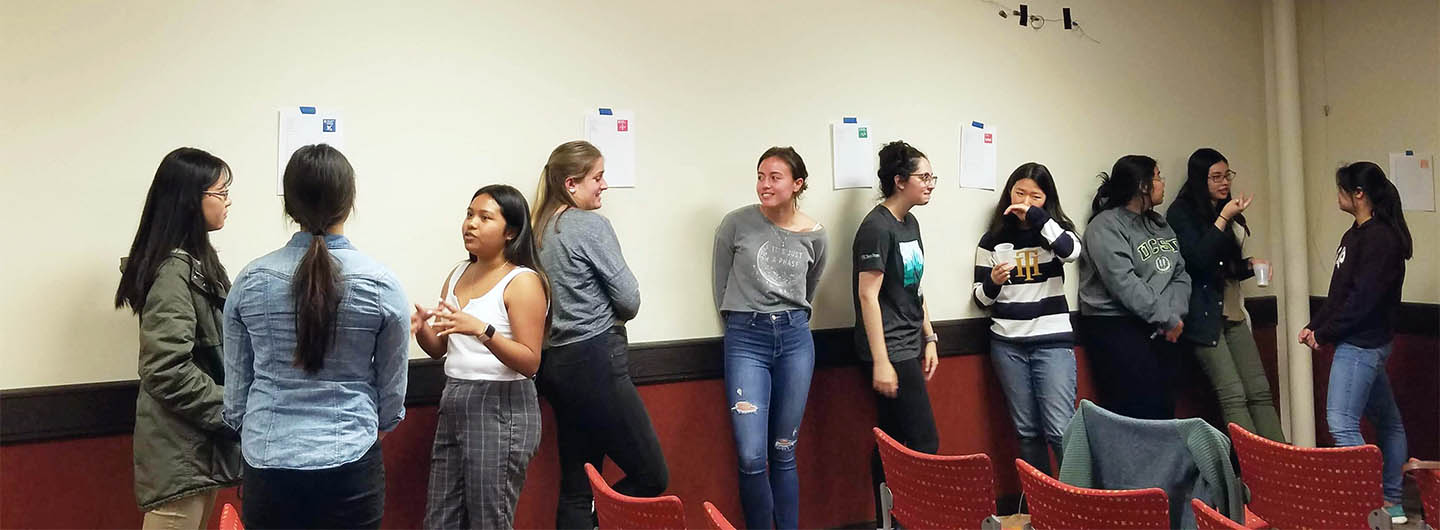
[(222, 194), (927, 178), (1229, 176)]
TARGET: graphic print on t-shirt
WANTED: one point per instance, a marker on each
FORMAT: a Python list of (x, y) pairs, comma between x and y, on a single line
[(780, 266), (914, 260)]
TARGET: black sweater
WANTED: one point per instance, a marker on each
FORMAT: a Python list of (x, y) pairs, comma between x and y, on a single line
[(1364, 289)]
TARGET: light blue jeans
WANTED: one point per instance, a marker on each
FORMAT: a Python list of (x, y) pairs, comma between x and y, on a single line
[(1358, 385), (1039, 383)]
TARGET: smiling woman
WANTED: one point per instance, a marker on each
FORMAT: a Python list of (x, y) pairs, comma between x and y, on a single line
[(768, 260)]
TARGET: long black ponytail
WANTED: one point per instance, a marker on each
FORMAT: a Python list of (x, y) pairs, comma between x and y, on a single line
[(1384, 198)]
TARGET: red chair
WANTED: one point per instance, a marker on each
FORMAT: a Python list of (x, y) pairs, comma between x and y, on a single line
[(623, 512), (1302, 487), (716, 519), (1055, 505), (1206, 518), (1427, 477), (932, 491), (229, 518)]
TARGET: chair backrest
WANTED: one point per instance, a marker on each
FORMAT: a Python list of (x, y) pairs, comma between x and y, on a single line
[(1206, 518), (933, 491), (623, 512), (1056, 505), (229, 518), (1429, 482), (716, 519), (1303, 487)]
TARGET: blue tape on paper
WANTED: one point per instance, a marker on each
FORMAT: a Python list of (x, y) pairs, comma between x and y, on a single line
[(1409, 153), (851, 120), (606, 112), (977, 125), (307, 110)]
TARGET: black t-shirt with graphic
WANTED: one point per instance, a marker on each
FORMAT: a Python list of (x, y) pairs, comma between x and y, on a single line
[(883, 243)]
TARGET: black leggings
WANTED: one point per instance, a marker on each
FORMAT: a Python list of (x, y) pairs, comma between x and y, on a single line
[(907, 418), (599, 414), (1134, 366)]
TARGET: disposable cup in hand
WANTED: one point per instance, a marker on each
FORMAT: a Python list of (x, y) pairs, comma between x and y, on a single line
[(1262, 274), (1004, 253)]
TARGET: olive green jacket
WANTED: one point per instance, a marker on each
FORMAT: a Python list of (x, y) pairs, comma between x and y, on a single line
[(181, 445)]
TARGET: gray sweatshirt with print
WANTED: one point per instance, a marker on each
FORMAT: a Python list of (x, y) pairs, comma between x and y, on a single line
[(1131, 266)]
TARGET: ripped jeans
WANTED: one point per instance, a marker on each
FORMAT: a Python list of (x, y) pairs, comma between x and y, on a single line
[(769, 358)]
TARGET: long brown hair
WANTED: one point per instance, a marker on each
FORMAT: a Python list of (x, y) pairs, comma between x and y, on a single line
[(319, 193), (570, 159)]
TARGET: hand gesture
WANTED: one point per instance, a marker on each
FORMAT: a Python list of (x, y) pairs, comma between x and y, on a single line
[(1017, 210), (420, 320), (450, 320), (1236, 206)]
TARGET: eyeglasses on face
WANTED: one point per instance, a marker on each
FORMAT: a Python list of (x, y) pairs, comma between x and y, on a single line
[(927, 178), (1229, 176)]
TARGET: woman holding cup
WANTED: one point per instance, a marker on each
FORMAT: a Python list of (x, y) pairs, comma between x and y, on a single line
[(1205, 218), (1020, 276)]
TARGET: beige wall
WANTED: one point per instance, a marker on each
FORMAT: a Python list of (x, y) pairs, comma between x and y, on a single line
[(443, 97), (1377, 65)]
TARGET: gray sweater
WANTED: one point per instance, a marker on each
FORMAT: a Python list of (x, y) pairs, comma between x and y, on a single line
[(591, 288), (1131, 266), (763, 268)]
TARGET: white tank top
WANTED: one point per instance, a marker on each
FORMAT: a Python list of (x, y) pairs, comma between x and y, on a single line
[(468, 358)]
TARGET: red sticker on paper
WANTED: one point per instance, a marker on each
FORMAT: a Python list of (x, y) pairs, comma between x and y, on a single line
[(622, 125), (1424, 163), (989, 139)]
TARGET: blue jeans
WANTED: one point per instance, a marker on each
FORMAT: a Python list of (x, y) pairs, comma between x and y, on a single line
[(769, 358), (1358, 385), (1039, 383)]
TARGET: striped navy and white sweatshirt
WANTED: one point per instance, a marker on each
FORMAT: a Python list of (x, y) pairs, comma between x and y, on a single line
[(1030, 308)]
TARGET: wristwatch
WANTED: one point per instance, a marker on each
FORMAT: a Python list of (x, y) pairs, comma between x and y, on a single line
[(933, 337), (489, 332)]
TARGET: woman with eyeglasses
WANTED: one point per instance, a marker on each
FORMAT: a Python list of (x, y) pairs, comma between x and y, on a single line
[(1134, 292), (174, 282), (893, 331), (1205, 217)]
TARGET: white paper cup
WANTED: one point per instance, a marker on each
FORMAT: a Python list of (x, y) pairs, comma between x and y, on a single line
[(1004, 253), (1262, 274)]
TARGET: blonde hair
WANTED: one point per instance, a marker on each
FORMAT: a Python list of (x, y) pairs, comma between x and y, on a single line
[(569, 160)]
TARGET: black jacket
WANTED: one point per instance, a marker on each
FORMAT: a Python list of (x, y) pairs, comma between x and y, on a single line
[(1212, 257)]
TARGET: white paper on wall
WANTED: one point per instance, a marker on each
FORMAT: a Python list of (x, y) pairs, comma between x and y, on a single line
[(613, 132), (852, 154), (1414, 175), (300, 126), (977, 156)]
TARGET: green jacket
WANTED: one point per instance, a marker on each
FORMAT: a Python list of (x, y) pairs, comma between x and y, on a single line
[(181, 445)]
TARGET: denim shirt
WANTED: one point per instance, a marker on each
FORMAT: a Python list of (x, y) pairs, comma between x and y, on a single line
[(290, 419)]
